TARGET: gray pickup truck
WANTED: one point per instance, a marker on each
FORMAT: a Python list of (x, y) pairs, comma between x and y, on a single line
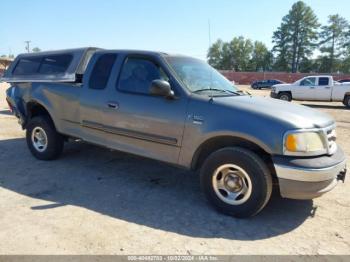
[(178, 110)]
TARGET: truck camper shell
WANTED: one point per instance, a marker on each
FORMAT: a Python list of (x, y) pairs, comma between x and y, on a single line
[(52, 66)]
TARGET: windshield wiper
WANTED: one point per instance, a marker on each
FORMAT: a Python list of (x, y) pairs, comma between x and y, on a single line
[(218, 90)]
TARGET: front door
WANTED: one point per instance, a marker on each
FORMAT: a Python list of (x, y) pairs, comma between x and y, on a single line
[(140, 123), (305, 90)]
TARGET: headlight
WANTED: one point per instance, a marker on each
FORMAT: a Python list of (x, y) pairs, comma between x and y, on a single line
[(304, 143), (273, 89)]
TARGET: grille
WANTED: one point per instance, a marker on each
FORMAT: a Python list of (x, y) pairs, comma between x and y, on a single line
[(331, 140)]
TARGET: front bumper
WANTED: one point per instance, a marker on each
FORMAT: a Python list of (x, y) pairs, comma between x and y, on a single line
[(307, 178), (273, 94)]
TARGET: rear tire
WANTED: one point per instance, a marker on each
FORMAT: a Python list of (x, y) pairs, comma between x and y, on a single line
[(43, 141), (236, 182), (285, 96), (347, 101)]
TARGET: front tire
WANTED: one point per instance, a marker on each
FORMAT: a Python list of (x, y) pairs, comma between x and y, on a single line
[(43, 141), (285, 96), (236, 182), (347, 101)]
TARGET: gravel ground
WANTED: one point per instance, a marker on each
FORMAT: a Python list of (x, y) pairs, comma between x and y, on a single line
[(94, 201)]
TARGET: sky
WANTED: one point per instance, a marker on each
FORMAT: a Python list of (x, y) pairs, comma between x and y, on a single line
[(174, 26)]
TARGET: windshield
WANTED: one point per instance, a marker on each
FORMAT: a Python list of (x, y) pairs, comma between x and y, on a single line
[(199, 77)]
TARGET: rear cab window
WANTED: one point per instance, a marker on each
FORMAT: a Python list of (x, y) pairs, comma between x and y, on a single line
[(101, 71), (323, 81)]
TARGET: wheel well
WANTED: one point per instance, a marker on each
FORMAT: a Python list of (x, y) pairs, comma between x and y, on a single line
[(217, 143), (35, 109), (346, 96)]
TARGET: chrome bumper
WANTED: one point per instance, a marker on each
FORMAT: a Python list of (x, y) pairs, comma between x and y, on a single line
[(307, 182), (309, 174)]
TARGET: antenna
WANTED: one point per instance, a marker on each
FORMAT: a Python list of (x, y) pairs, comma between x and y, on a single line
[(209, 33), (27, 46)]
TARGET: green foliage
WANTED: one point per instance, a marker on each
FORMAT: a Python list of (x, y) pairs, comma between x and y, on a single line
[(296, 37), (333, 42), (282, 47), (262, 58), (345, 66), (36, 49), (215, 54), (294, 42), (240, 54), (241, 51)]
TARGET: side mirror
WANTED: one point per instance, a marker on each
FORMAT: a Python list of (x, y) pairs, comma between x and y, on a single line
[(161, 88)]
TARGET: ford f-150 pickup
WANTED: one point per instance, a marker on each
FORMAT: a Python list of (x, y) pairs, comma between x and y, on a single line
[(314, 88), (179, 110)]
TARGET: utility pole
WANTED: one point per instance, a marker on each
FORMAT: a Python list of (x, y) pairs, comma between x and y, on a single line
[(27, 46)]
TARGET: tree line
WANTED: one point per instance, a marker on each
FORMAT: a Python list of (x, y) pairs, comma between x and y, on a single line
[(294, 44)]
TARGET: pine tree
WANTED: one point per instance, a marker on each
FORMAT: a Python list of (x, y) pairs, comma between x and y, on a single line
[(296, 38), (333, 40)]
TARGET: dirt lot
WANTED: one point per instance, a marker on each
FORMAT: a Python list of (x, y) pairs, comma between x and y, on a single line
[(94, 201)]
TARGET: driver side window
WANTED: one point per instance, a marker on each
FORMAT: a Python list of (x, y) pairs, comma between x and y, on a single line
[(137, 75), (311, 81)]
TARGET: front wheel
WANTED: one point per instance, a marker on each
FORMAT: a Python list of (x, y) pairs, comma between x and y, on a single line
[(43, 141), (347, 101), (236, 182), (285, 96)]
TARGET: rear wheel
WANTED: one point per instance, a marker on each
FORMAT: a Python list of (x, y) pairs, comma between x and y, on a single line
[(42, 138), (236, 182), (285, 96), (347, 101)]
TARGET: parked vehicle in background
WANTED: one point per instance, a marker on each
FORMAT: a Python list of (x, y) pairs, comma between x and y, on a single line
[(314, 88), (265, 83), (179, 110), (344, 81)]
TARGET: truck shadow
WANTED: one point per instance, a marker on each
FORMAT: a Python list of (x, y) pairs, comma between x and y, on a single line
[(136, 190)]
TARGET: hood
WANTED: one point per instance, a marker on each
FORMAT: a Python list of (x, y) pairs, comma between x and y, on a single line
[(281, 85), (290, 115)]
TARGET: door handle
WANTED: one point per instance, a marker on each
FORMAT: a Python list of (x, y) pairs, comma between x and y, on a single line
[(327, 87), (113, 105), (312, 87)]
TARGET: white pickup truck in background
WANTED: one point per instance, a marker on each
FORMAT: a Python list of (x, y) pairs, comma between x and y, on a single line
[(314, 88)]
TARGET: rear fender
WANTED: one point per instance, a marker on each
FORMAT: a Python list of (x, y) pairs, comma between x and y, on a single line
[(17, 105)]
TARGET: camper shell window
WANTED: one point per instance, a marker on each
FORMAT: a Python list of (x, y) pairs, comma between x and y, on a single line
[(43, 65), (50, 66), (27, 66)]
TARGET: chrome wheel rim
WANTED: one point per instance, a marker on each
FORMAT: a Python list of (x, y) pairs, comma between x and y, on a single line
[(284, 97), (39, 139), (232, 184)]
